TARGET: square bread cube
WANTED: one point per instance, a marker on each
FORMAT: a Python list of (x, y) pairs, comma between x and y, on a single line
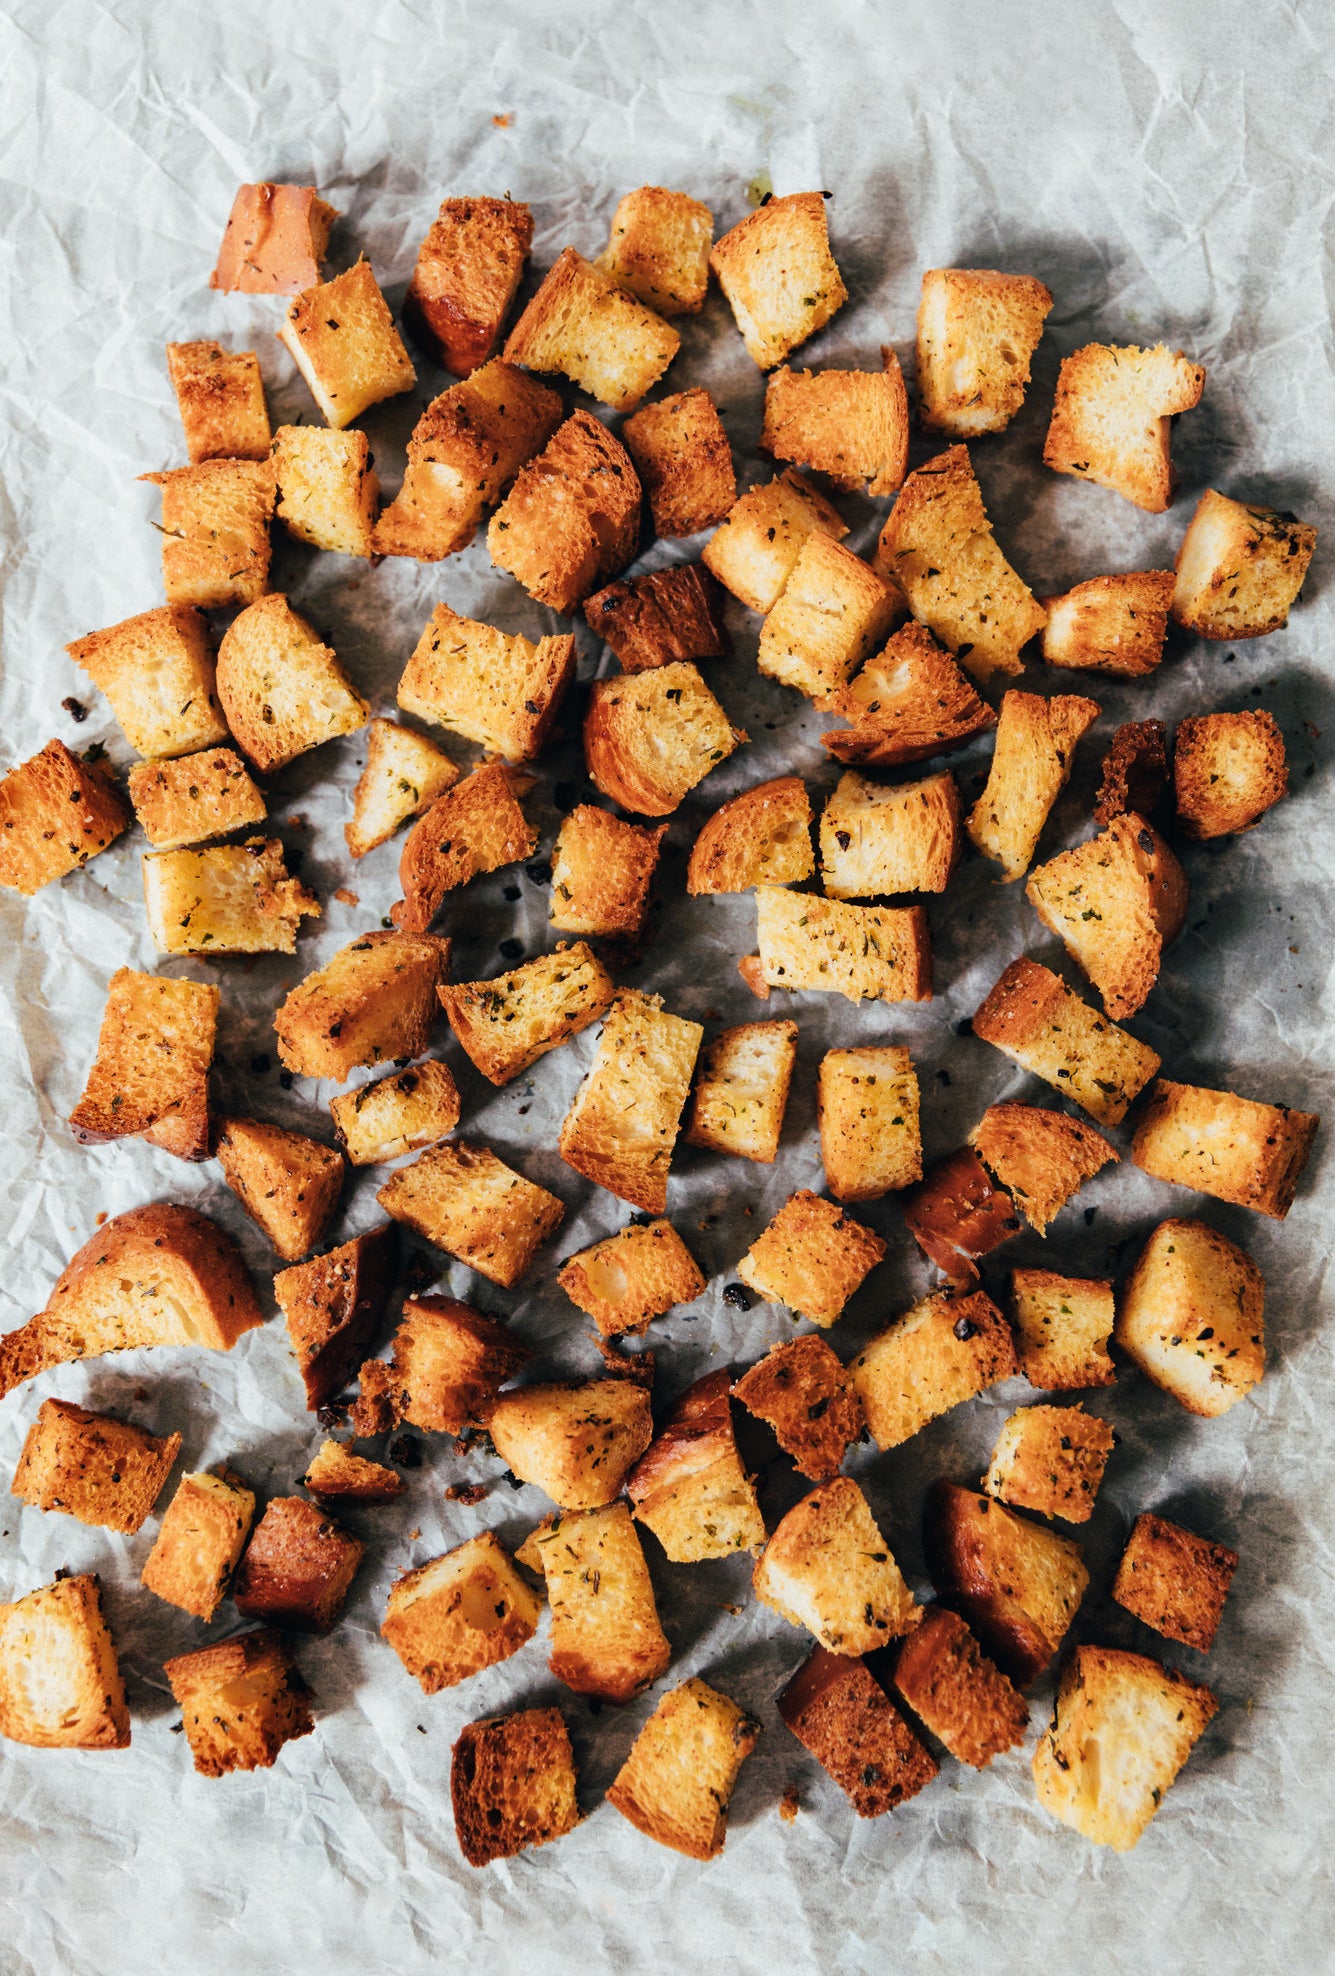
[(761, 836), (944, 1351), (684, 461), (803, 1393), (1031, 765), (1192, 1317), (675, 1784), (1228, 770), (220, 394), (741, 1093), (449, 1363), (572, 519), (606, 1639), (500, 691), (338, 1475), (504, 1025), (1032, 1017), (215, 532), (851, 425), (475, 1207), (909, 702), (403, 776), (333, 1306), (812, 1257), (1114, 624), (1050, 1459), (576, 1441), (827, 1567), (194, 798), (1115, 902), (977, 332), (878, 839), (60, 1680), (288, 1184), (583, 324), (957, 1213), (157, 670), (1042, 1158), (870, 1139), (632, 1277), (1018, 1584), (1232, 1148), (690, 1486), (659, 618), (512, 1784), (474, 828), (150, 1078), (462, 1612), (658, 249), (1112, 418), (1062, 1328), (328, 491), (955, 1691), (405, 1113), (881, 952), (200, 1541), (102, 1471), (650, 737), (274, 242), (780, 278), (754, 548), (341, 337), (1135, 771), (1175, 1581), (1239, 569), (297, 1567), (281, 687), (844, 1717), (832, 612), (240, 1702), (467, 274), (602, 868), (374, 1002), (622, 1125), (56, 811)]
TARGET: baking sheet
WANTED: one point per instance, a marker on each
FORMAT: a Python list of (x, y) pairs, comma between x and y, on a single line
[(1167, 172)]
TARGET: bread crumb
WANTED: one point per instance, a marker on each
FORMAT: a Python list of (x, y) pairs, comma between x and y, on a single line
[(789, 1805)]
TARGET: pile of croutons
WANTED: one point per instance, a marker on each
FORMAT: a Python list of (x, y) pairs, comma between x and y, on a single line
[(904, 650)]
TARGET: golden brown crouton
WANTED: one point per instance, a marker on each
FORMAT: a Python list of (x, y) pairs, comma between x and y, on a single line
[(977, 331), (584, 325), (939, 546), (462, 1612), (60, 1680), (1063, 1324), (328, 490), (1040, 1157), (690, 1486), (150, 1077), (761, 836), (1233, 1148), (1037, 1021), (512, 1784), (623, 1123), (157, 670), (832, 612), (1192, 1317), (1135, 770), (951, 1686), (909, 702), (845, 1718), (475, 1207), (297, 1568), (852, 426), (654, 620), (576, 1441), (226, 899), (632, 1277), (602, 868), (220, 394), (742, 1090), (1228, 770), (753, 550), (1239, 568), (1111, 418), (869, 1135), (658, 249), (1122, 1729), (334, 1305), (506, 1024), (1031, 765), (1174, 1581), (780, 278), (275, 240), (804, 1394), (240, 1701), (449, 1364), (1115, 902), (651, 737), (606, 1638), (812, 1257), (56, 812), (467, 273), (675, 1784), (403, 776), (1050, 1459), (341, 337), (215, 532), (572, 519), (684, 462), (373, 1002), (957, 1213), (501, 691), (199, 1542), (193, 799), (337, 1474), (936, 1356), (381, 1121), (1111, 624), (1018, 1584), (283, 691), (100, 1470), (288, 1184), (877, 839), (827, 1567), (857, 951)]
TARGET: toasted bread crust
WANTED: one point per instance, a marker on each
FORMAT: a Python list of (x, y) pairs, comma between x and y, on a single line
[(763, 835), (467, 273), (1019, 1585), (1114, 624), (404, 1113), (648, 740), (1115, 901), (845, 1718), (333, 1306), (602, 869), (1037, 1021), (741, 1093), (449, 1364), (1239, 569), (328, 490), (909, 702), (657, 619), (572, 519), (1234, 1148), (780, 278), (275, 240), (957, 1213), (500, 691), (297, 1567), (1111, 418), (283, 691), (56, 812), (684, 461), (150, 1077), (202, 1535), (811, 1257), (937, 1355), (852, 426), (240, 1701), (1040, 1157), (459, 1614), (877, 839), (690, 1487), (1228, 770), (834, 610), (1175, 1581), (288, 1183), (102, 1471), (804, 1394), (469, 1203), (623, 1123), (474, 828), (950, 1684), (675, 1784), (1135, 770), (341, 336), (512, 1784), (403, 776)]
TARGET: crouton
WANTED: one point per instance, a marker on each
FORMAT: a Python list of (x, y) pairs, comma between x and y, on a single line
[(1040, 1157), (1031, 765), (876, 840), (851, 425), (226, 899), (658, 249), (1032, 1017), (955, 1691), (283, 691), (288, 1184), (1050, 1459), (506, 1024), (780, 278), (297, 1567), (632, 1277), (602, 868), (870, 1140), (675, 1784), (939, 546), (832, 612), (274, 242), (1122, 1729), (977, 332), (957, 1213), (220, 394), (1228, 770), (215, 532), (341, 337), (1115, 902), (572, 519), (403, 776), (157, 670), (844, 1717), (469, 1203), (333, 1306), (742, 1091), (1062, 1325), (803, 1393), (623, 1123), (882, 952), (1239, 569), (827, 1567), (464, 451), (462, 1612), (754, 548), (690, 1486), (937, 1355), (150, 1077), (1114, 624), (1175, 1581), (328, 491), (575, 1441), (512, 1784), (909, 702), (650, 738), (466, 276), (1233, 1148), (102, 1471), (449, 1364), (682, 455), (1018, 1584), (761, 836), (1192, 1317), (501, 691), (56, 812), (200, 1541), (812, 1257), (337, 1474), (606, 1639), (240, 1702), (1135, 770), (660, 618), (195, 798), (582, 324), (156, 1275), (60, 1680), (373, 1002), (413, 1109), (1111, 418)]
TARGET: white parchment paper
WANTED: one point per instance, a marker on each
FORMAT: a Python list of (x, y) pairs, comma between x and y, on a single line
[(1167, 170)]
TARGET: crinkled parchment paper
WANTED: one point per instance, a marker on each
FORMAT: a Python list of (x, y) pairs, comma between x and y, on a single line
[(1167, 170)]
